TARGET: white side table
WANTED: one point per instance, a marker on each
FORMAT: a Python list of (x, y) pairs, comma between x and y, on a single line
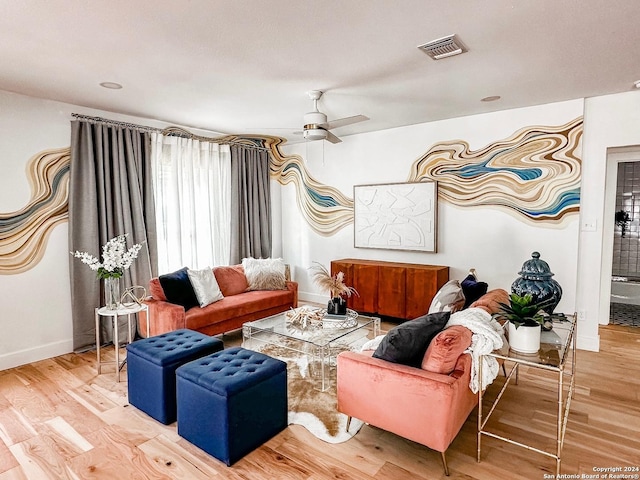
[(113, 315)]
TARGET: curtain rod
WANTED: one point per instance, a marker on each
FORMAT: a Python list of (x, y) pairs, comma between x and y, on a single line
[(247, 142)]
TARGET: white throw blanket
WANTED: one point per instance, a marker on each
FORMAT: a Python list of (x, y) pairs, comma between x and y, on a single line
[(487, 336)]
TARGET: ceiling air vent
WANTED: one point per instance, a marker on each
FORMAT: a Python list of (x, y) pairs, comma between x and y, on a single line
[(443, 47)]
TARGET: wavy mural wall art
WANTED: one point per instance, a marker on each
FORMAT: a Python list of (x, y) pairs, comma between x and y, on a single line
[(23, 234), (534, 174), (326, 209)]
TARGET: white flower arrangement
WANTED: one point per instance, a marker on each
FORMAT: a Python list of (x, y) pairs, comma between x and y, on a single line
[(115, 258)]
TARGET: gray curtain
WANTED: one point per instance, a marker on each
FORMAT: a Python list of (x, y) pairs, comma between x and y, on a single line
[(251, 209), (110, 194)]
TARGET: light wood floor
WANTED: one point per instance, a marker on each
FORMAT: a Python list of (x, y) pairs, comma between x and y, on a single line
[(60, 420)]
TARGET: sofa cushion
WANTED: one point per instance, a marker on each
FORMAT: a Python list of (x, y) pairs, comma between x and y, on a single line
[(264, 273), (156, 291), (445, 348), (205, 286), (490, 302), (448, 299), (231, 280), (472, 289), (235, 306), (408, 342), (178, 289)]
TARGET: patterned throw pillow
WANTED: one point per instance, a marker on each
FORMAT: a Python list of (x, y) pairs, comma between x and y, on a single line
[(448, 299), (205, 286), (265, 273)]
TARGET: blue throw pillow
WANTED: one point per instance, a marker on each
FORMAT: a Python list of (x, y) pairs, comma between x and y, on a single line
[(178, 289), (472, 289), (408, 342)]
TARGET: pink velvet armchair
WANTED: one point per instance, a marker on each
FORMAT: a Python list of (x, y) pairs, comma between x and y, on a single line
[(426, 404), (426, 407)]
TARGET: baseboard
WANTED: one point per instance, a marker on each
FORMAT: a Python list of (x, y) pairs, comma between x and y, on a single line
[(41, 352), (313, 297), (588, 343)]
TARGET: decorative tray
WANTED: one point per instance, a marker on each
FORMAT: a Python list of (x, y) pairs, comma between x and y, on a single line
[(340, 321)]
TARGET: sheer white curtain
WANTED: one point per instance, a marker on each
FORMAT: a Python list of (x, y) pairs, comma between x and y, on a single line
[(192, 187)]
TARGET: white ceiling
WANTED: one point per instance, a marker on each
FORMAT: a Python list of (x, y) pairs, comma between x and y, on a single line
[(244, 66)]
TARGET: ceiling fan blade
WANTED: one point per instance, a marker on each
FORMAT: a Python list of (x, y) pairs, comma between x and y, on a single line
[(341, 122), (332, 138)]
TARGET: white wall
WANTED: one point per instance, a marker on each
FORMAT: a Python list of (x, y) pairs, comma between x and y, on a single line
[(35, 316), (492, 241), (35, 306), (610, 121)]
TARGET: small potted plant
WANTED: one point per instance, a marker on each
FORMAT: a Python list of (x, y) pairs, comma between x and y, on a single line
[(622, 219), (335, 286), (525, 317)]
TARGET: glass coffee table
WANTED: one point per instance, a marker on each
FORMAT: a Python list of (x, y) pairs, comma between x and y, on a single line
[(317, 337)]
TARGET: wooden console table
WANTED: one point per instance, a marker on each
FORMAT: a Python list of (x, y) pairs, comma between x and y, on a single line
[(399, 290)]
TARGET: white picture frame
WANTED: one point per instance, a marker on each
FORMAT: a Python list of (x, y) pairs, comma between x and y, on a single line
[(396, 216)]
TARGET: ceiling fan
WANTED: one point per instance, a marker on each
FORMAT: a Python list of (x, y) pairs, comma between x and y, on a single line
[(316, 126)]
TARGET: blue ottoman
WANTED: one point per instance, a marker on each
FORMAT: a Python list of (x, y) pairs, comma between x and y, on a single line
[(151, 369), (231, 402)]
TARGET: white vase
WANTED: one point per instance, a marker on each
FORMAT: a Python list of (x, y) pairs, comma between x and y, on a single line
[(112, 292), (524, 339)]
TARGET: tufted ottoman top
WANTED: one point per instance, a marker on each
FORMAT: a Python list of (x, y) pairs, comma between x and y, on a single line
[(172, 346), (231, 371)]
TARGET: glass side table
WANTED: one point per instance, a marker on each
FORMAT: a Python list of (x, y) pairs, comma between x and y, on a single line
[(556, 355), (112, 315)]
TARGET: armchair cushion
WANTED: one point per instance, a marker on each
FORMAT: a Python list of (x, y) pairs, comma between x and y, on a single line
[(448, 299), (490, 302), (408, 342), (445, 349), (472, 289)]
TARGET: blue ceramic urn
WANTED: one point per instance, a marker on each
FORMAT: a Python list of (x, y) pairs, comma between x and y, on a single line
[(535, 279)]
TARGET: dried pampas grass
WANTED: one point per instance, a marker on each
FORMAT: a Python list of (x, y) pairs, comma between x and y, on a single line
[(333, 284)]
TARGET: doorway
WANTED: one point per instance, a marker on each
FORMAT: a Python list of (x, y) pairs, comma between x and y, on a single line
[(624, 302)]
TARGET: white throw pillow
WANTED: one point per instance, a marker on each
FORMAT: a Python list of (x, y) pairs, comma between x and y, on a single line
[(264, 273), (205, 286)]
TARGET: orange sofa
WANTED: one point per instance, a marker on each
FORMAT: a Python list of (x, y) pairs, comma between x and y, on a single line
[(237, 307), (427, 405)]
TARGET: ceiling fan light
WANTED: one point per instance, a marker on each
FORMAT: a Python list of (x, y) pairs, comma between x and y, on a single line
[(315, 118), (314, 133)]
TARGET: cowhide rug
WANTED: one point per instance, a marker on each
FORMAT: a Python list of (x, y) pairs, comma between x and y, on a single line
[(308, 406)]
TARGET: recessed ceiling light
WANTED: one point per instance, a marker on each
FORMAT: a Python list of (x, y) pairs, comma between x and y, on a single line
[(492, 98), (111, 85)]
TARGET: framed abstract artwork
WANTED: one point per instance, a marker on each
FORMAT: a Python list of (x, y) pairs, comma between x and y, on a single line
[(396, 216)]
